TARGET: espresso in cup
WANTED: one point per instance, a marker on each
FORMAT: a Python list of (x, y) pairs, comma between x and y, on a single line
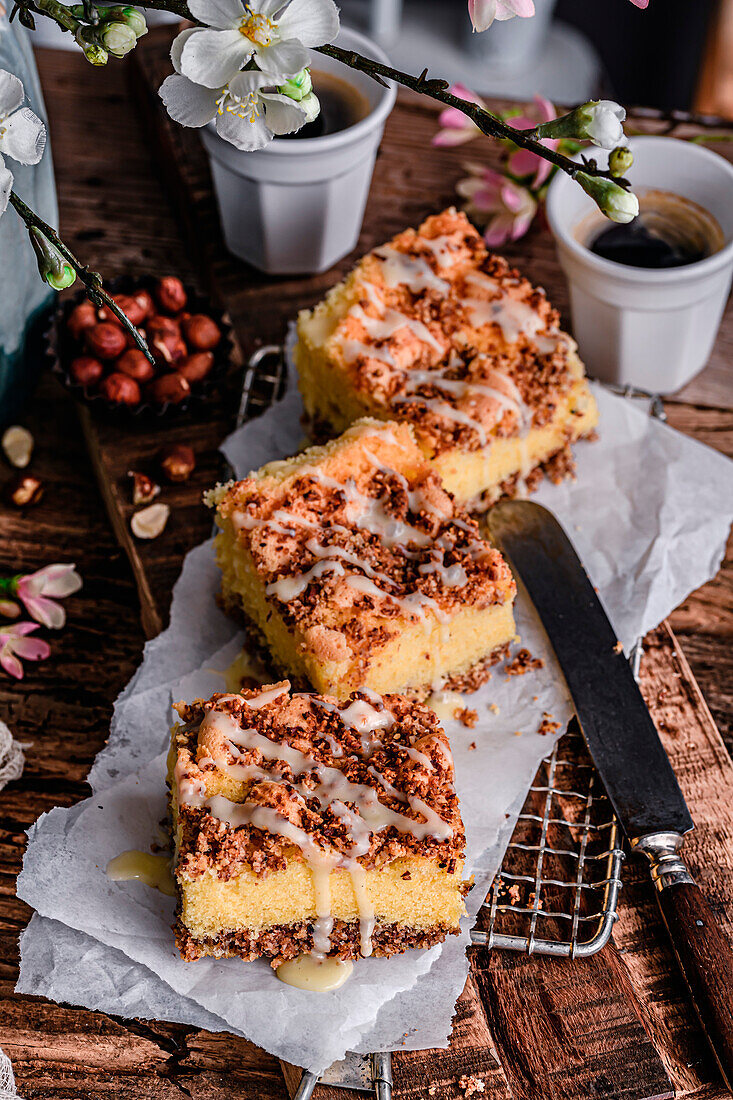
[(670, 231)]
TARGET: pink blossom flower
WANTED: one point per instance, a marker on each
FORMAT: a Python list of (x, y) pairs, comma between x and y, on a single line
[(457, 128), (35, 589), (14, 644), (504, 208), (484, 12), (523, 162)]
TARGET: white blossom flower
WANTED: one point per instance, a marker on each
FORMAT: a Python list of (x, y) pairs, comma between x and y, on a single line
[(236, 32), (246, 116), (604, 124), (22, 134), (600, 120)]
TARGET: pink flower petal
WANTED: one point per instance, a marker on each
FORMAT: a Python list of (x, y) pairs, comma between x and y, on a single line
[(544, 168), (546, 110), (462, 92), (47, 612), (32, 649), (11, 665), (452, 118), (497, 233), (523, 163), (451, 138), (512, 198), (16, 630)]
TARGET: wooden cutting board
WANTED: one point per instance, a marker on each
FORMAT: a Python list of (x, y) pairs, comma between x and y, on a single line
[(616, 1025)]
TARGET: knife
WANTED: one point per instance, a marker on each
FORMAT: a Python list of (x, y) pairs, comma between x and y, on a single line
[(626, 750)]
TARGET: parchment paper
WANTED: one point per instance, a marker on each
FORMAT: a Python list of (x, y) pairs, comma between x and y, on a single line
[(649, 513)]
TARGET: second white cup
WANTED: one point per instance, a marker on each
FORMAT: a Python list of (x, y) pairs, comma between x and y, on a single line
[(649, 328)]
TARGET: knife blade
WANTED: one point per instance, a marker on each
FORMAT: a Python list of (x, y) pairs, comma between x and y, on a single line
[(616, 724), (626, 750)]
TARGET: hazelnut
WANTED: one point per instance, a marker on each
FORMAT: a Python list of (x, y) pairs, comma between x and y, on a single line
[(171, 294), (25, 491), (81, 317), (201, 332), (120, 389), (145, 302), (17, 443), (105, 340), (130, 307), (169, 387), (197, 366), (159, 325), (167, 348), (150, 521), (86, 370), (144, 489), (135, 365), (177, 461)]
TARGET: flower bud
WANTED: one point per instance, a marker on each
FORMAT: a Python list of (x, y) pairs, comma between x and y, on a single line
[(614, 201), (131, 18), (298, 86), (620, 160), (93, 51), (118, 38), (312, 107), (51, 264), (599, 120)]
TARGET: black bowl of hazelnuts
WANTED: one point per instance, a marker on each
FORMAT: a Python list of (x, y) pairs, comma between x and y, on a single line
[(99, 362)]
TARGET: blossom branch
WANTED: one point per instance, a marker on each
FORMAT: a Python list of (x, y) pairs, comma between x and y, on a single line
[(488, 124), (92, 280)]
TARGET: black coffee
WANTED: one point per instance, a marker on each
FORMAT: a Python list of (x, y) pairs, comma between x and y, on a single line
[(635, 246), (342, 105), (670, 231)]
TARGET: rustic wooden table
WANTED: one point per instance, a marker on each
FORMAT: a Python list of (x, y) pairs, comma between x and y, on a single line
[(135, 197)]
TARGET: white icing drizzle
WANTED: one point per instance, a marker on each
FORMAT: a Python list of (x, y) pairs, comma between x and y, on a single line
[(442, 248), (514, 317), (414, 272), (222, 733)]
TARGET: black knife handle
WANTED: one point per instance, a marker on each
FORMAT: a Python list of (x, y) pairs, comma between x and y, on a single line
[(703, 952)]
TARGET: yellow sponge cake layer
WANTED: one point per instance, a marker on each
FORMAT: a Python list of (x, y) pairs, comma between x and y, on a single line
[(432, 329), (358, 570)]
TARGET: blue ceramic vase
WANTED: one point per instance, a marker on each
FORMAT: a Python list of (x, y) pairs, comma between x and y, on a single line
[(24, 297)]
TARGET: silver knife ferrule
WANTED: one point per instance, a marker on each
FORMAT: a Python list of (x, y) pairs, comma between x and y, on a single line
[(668, 868)]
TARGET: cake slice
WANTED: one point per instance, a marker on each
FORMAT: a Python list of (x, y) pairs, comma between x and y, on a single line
[(434, 330), (357, 570), (304, 826)]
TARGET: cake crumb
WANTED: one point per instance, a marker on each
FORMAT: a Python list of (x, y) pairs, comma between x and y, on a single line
[(523, 662), (493, 708), (472, 747), (618, 648), (407, 876), (547, 725), (466, 717), (517, 733), (471, 1085)]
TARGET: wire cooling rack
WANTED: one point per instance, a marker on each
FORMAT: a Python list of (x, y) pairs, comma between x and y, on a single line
[(557, 888)]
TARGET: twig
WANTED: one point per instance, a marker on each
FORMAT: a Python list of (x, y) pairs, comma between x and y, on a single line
[(488, 124), (92, 280)]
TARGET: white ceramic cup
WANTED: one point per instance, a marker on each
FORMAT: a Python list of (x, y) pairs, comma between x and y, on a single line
[(653, 329), (296, 206)]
